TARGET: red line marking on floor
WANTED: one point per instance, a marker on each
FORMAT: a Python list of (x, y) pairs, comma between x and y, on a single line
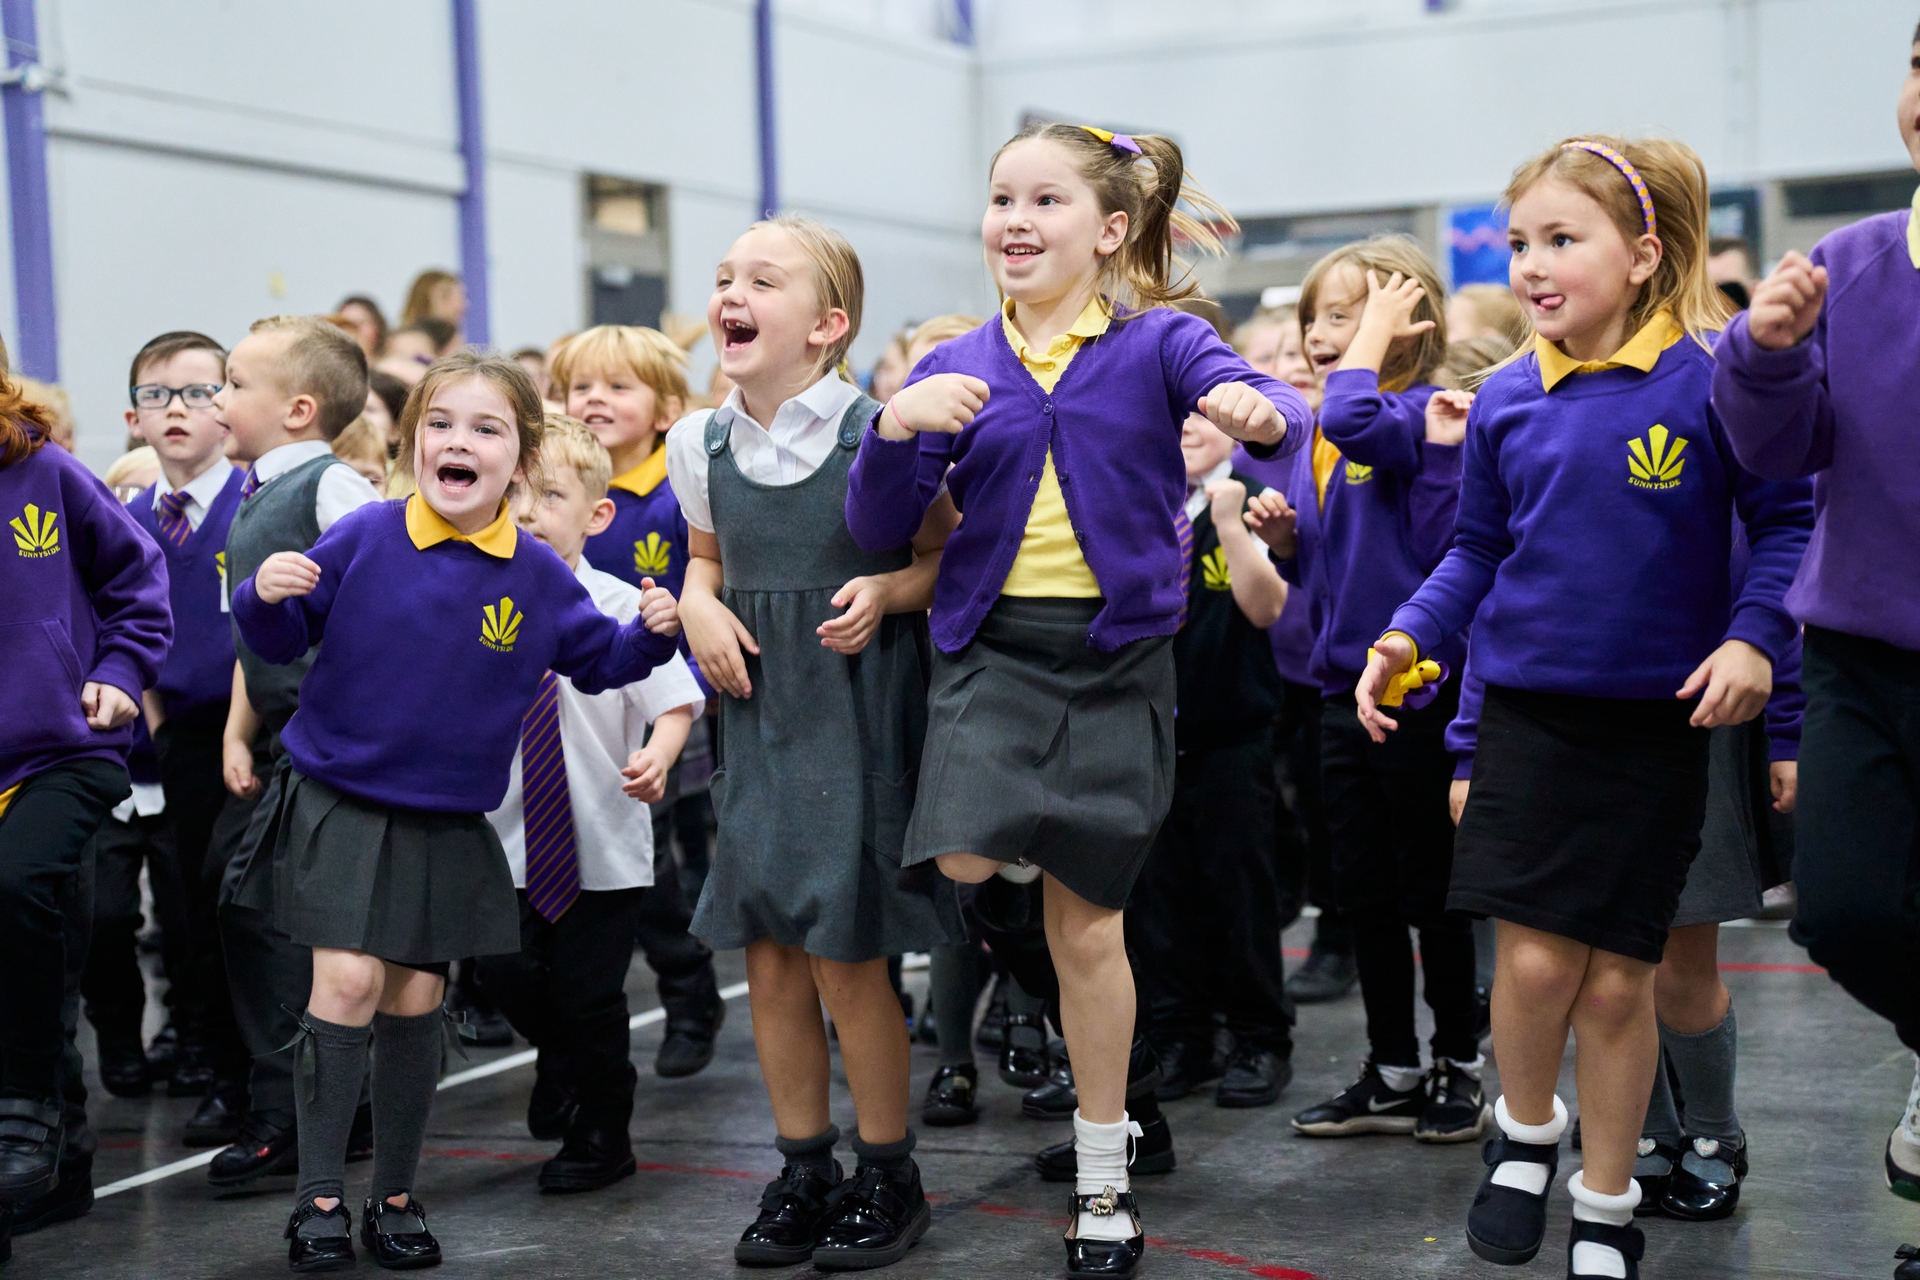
[(1771, 968)]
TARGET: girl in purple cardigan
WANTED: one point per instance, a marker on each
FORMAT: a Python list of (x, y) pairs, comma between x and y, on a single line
[(1056, 430)]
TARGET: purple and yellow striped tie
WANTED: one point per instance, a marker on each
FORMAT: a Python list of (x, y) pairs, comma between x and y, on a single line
[(248, 485), (553, 863), (171, 514), (1183, 532)]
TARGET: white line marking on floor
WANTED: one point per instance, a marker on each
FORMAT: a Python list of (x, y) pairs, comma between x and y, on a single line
[(498, 1066)]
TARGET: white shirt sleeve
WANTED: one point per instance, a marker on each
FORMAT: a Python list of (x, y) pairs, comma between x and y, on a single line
[(342, 489), (668, 687), (687, 469)]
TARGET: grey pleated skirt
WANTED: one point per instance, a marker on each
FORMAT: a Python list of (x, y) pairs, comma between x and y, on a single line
[(1726, 879), (1041, 747), (409, 886)]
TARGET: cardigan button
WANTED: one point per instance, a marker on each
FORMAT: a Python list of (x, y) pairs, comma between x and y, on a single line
[(1047, 407)]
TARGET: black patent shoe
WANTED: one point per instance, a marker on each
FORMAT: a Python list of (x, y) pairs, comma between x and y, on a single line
[(263, 1150), (397, 1235), (952, 1097), (216, 1121), (1627, 1241), (1909, 1268), (1152, 1154), (872, 1219), (320, 1253), (1253, 1078), (1653, 1165), (71, 1198), (1506, 1225), (1057, 1099), (592, 1157), (32, 1139), (1023, 1056), (1705, 1185), (1103, 1259), (791, 1209), (123, 1068), (991, 1036)]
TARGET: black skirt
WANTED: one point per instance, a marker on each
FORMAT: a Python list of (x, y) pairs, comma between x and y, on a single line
[(1583, 818), (1044, 748), (409, 886)]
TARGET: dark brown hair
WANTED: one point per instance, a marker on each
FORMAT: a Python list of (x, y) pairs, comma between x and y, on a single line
[(170, 344), (372, 309)]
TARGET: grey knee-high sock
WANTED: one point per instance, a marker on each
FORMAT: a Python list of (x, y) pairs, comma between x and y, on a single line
[(336, 1058), (1662, 1125), (953, 979), (406, 1071), (1705, 1065)]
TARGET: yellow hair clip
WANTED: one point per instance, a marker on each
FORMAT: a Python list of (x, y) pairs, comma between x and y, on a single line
[(1118, 141)]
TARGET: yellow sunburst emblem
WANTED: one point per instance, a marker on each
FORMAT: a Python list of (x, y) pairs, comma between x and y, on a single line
[(35, 532), (653, 556), (502, 625), (1652, 464)]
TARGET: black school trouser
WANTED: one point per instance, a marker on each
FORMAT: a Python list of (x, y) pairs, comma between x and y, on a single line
[(1392, 858), (43, 844), (566, 993), (112, 983), (1306, 848), (189, 748), (1204, 917), (1857, 822)]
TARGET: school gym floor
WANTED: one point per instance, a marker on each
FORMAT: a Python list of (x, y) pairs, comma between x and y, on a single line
[(1821, 1084)]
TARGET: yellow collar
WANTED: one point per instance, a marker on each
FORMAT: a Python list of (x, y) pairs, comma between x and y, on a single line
[(427, 527), (1641, 351), (1091, 323), (1913, 230), (646, 477)]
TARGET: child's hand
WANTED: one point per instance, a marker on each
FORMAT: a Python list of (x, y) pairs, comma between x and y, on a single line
[(1737, 678), (944, 402), (236, 768), (848, 634), (658, 609), (1229, 498), (107, 706), (1243, 413), (1784, 777), (1390, 306), (284, 574), (1391, 655), (1787, 303), (1447, 417), (646, 776), (1457, 798), (716, 638), (1274, 523)]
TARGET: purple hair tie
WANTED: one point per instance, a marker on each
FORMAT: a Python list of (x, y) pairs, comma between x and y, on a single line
[(1625, 166), (1118, 141)]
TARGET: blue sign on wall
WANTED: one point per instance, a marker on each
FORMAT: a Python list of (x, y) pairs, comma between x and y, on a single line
[(1477, 244)]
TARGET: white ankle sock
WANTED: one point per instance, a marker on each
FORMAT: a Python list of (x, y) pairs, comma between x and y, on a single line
[(1401, 1079), (1101, 1152), (1474, 1068), (1590, 1259), (1524, 1175)]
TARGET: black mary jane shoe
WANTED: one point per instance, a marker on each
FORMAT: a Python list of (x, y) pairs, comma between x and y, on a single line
[(1103, 1259), (1152, 1154), (791, 1209), (1057, 1099), (872, 1219), (320, 1253), (1705, 1186), (1653, 1186), (410, 1247), (1506, 1225), (1909, 1268), (952, 1096), (1629, 1242)]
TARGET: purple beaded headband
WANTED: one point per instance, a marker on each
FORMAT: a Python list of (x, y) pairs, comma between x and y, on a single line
[(1118, 141), (1625, 166)]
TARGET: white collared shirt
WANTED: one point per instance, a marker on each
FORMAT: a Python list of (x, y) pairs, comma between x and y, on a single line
[(1197, 499), (789, 450), (342, 489), (612, 831), (201, 491)]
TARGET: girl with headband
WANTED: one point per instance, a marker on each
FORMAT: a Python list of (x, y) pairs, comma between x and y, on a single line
[(1592, 557), (1055, 428)]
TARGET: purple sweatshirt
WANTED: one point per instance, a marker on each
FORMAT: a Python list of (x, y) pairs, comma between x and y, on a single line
[(86, 596), (1844, 408), (1292, 637), (432, 659), (1113, 423), (1595, 534)]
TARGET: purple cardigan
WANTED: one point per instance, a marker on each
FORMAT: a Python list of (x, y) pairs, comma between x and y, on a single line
[(1113, 423)]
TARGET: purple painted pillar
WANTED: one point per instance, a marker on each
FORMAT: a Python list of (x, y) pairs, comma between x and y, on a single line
[(473, 201), (769, 141), (36, 348)]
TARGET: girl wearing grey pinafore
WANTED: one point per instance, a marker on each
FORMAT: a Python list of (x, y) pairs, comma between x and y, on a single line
[(814, 776)]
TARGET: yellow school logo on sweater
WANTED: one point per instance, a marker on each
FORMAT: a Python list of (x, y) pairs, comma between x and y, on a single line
[(36, 532), (652, 556), (1214, 573), (1357, 474), (1654, 463), (501, 626)]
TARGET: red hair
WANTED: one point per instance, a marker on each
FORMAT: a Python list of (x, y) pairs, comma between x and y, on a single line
[(24, 426)]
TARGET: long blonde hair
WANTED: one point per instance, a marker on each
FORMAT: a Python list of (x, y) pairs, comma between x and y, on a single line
[(1407, 363)]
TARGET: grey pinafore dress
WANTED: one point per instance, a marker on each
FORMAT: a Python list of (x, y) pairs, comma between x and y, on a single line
[(814, 775)]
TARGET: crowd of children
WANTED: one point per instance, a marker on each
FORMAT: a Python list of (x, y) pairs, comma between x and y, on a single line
[(1080, 654)]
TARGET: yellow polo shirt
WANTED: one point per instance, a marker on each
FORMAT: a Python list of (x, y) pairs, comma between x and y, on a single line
[(1641, 351), (1050, 562), (427, 527)]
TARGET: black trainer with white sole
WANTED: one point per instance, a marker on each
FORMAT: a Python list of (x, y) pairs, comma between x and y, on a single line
[(1368, 1105), (1457, 1109), (1506, 1225)]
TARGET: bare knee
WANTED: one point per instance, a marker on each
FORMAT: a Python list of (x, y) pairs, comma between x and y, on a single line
[(1537, 976), (346, 981), (1085, 939), (1616, 993), (967, 868)]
